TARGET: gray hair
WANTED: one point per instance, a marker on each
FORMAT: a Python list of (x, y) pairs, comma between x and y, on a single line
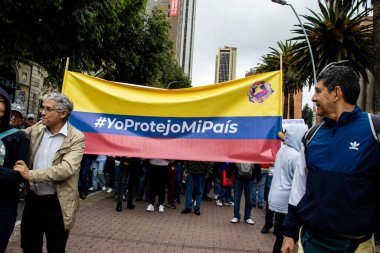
[(63, 102)]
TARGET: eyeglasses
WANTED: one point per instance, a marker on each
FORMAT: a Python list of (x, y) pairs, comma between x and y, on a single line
[(47, 109)]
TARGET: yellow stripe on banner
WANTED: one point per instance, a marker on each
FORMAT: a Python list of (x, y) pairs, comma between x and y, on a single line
[(91, 94)]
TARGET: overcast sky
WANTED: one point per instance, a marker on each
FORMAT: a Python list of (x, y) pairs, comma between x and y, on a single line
[(252, 26)]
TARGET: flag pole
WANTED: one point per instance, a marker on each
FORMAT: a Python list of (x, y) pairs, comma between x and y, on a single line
[(67, 63), (64, 73)]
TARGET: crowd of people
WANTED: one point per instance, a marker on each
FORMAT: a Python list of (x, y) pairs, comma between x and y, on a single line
[(322, 191)]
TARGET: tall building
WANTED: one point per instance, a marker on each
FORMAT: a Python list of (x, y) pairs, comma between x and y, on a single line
[(225, 64), (181, 14)]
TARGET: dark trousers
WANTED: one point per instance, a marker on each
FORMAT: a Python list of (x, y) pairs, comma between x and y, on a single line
[(7, 223), (157, 179), (42, 215), (279, 220), (83, 175), (269, 215), (133, 178), (171, 183), (179, 177)]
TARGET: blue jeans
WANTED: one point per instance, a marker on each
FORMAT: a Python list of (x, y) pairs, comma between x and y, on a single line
[(194, 183), (225, 194), (98, 176), (7, 223), (217, 185), (143, 185), (241, 185), (261, 186)]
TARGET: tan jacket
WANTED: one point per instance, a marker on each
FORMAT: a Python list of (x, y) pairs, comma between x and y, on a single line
[(65, 170)]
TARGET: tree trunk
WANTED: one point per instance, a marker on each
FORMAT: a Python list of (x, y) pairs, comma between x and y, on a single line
[(291, 106), (286, 105), (376, 40)]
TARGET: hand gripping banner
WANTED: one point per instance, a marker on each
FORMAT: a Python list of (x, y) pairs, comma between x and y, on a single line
[(235, 121)]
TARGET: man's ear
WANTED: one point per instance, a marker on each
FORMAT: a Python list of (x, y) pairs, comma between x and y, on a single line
[(338, 93), (63, 114)]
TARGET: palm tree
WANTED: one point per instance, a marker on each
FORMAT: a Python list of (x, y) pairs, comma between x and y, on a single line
[(291, 83), (376, 42), (335, 34)]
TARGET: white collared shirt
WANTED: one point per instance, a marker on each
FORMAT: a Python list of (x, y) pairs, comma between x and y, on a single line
[(44, 157)]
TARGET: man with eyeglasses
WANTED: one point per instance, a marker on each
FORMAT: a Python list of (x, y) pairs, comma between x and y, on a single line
[(340, 208), (56, 150)]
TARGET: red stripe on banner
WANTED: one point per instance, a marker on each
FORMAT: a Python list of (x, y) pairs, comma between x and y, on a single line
[(257, 151)]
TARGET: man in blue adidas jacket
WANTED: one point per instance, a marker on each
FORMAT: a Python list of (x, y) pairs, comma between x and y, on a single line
[(341, 207)]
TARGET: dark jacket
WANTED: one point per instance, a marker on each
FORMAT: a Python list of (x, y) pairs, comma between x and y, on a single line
[(16, 148), (343, 182), (197, 167)]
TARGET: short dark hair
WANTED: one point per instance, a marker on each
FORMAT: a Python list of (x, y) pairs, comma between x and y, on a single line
[(344, 77)]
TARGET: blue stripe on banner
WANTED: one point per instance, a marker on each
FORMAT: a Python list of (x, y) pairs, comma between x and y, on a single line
[(175, 127)]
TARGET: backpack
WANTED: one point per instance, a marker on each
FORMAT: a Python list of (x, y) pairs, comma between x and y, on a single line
[(245, 171), (374, 121)]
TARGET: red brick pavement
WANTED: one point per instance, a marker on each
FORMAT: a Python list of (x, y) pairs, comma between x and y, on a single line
[(99, 228)]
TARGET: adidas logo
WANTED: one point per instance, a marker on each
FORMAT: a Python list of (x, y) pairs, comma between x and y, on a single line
[(354, 145)]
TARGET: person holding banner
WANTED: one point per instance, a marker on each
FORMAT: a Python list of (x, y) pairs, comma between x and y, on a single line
[(195, 182), (157, 173), (13, 146), (53, 198), (243, 182)]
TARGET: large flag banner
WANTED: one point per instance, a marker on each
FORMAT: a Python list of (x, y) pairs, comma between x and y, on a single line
[(235, 121)]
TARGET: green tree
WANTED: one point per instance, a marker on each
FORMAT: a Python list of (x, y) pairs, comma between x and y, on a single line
[(116, 38), (49, 31), (149, 51), (307, 115), (376, 41), (335, 34), (291, 83)]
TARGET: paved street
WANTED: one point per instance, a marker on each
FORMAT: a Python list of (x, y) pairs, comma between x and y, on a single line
[(99, 228)]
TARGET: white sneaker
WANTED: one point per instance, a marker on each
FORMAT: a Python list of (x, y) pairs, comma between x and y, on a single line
[(91, 188), (216, 196), (229, 203), (219, 203), (109, 190), (104, 188), (249, 221), (234, 220), (161, 208), (150, 208)]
